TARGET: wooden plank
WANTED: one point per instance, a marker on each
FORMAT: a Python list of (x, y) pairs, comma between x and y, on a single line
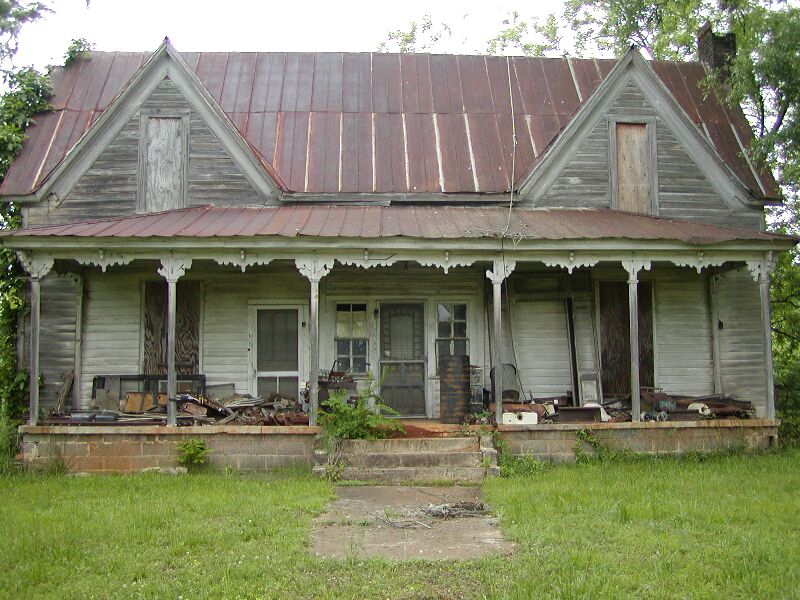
[(633, 168)]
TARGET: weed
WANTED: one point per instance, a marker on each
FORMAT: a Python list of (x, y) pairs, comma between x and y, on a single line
[(516, 466), (192, 453), (56, 464), (602, 453), (363, 420), (9, 442)]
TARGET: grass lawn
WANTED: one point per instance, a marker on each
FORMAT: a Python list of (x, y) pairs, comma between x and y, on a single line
[(725, 527)]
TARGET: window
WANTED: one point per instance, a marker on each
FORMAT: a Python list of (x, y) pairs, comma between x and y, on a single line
[(451, 330), (163, 160), (351, 338)]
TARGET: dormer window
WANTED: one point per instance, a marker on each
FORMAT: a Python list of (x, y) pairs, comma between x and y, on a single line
[(163, 161), (633, 164)]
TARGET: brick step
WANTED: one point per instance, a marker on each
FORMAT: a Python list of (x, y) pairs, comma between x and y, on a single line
[(449, 444), (410, 459), (398, 474)]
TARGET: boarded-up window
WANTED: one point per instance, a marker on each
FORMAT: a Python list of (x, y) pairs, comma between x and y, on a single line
[(615, 341), (633, 168), (164, 156), (187, 328)]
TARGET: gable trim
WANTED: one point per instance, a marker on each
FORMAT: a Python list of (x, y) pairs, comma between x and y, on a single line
[(632, 68), (165, 63)]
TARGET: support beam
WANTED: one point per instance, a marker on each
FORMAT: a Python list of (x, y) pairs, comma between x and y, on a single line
[(172, 269), (76, 382), (501, 270), (33, 369), (37, 266), (766, 323), (314, 268), (313, 320), (633, 267)]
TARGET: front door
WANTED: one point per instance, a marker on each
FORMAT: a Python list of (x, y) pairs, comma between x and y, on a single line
[(277, 352), (402, 348)]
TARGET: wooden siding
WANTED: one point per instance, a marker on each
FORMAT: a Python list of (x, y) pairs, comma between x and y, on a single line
[(111, 326), (684, 356), (585, 180), (59, 306), (741, 338), (109, 187), (684, 192), (225, 323)]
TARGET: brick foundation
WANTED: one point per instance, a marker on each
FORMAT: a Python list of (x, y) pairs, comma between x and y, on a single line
[(105, 449), (556, 442)]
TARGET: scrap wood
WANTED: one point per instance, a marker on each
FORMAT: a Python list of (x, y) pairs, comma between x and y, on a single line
[(455, 510), (67, 378)]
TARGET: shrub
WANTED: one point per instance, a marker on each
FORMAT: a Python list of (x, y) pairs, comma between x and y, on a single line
[(192, 453), (9, 442)]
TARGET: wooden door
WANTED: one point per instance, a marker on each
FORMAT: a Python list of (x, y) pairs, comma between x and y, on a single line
[(615, 347), (402, 350)]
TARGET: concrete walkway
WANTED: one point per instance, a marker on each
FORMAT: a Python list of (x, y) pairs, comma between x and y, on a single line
[(390, 522)]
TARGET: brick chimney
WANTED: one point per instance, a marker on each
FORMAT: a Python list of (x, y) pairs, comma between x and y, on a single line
[(716, 51)]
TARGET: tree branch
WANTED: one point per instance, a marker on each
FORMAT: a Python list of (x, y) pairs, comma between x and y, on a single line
[(781, 114)]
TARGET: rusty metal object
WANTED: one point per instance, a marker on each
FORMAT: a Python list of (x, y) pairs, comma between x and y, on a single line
[(341, 122)]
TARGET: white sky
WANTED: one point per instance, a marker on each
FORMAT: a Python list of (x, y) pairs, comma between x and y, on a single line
[(241, 25)]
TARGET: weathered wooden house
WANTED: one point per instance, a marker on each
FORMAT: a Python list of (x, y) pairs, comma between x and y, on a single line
[(593, 222)]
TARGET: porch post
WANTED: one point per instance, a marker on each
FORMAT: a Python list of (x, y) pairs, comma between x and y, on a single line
[(501, 269), (314, 269), (766, 325), (172, 269), (37, 267), (633, 268)]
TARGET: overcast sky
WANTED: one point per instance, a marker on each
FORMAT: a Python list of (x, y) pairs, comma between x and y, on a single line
[(222, 25)]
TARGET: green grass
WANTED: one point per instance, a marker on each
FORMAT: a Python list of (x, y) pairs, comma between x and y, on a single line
[(724, 527)]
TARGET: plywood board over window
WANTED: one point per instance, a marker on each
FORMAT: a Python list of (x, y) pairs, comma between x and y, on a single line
[(163, 161), (187, 328), (633, 168), (615, 346)]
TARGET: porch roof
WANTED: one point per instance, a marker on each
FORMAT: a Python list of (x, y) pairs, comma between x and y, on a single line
[(409, 221)]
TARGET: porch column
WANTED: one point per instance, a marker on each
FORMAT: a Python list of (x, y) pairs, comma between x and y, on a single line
[(501, 269), (172, 269), (766, 325), (633, 267), (314, 269), (37, 267)]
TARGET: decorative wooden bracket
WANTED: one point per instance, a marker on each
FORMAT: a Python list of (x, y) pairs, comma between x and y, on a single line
[(37, 266), (503, 267), (243, 259), (634, 265), (313, 267), (104, 259), (761, 269), (173, 268)]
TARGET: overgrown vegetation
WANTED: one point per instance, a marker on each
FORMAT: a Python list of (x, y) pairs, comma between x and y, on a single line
[(516, 466), (720, 527), (192, 453), (78, 48), (365, 419)]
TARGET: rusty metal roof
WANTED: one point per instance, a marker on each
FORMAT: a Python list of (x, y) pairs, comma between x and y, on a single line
[(373, 123), (423, 221)]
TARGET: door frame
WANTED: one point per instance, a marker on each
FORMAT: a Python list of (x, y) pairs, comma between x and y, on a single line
[(425, 340), (302, 372)]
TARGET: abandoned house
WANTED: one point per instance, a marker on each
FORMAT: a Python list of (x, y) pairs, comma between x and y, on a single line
[(246, 221)]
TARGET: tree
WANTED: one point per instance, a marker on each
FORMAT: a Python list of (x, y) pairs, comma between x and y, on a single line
[(14, 14)]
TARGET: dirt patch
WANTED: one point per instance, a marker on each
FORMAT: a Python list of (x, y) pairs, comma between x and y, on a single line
[(392, 522)]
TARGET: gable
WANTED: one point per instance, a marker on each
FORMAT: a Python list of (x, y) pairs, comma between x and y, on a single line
[(582, 171), (111, 185)]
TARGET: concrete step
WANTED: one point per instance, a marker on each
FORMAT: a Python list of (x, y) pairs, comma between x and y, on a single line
[(411, 459), (398, 474), (450, 444)]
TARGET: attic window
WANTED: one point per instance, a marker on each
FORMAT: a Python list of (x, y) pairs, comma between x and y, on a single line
[(163, 147), (633, 168)]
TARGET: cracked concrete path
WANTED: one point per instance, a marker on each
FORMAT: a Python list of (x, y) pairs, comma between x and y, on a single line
[(389, 522)]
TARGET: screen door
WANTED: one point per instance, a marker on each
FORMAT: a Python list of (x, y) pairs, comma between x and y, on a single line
[(402, 349), (277, 352)]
